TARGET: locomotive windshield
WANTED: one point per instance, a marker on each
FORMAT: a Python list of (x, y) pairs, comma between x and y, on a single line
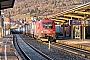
[(47, 25)]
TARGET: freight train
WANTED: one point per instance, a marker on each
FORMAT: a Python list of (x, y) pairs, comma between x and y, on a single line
[(47, 29), (43, 29)]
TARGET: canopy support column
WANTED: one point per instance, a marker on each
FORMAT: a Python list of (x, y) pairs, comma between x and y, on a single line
[(0, 25), (63, 30), (71, 29), (83, 31)]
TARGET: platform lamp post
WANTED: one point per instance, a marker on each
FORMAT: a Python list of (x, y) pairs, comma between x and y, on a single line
[(49, 39), (23, 25), (0, 25), (33, 21), (9, 24)]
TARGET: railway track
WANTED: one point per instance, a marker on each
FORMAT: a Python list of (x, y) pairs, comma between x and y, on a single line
[(28, 51), (56, 52), (60, 47), (71, 49)]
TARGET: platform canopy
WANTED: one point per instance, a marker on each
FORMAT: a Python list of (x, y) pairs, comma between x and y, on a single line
[(6, 4), (81, 12)]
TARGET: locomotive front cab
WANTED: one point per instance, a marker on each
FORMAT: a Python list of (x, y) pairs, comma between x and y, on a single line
[(48, 30)]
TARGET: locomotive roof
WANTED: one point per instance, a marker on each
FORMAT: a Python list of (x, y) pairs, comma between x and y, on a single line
[(45, 20)]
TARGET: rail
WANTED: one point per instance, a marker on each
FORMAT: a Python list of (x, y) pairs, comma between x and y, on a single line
[(70, 49), (43, 56)]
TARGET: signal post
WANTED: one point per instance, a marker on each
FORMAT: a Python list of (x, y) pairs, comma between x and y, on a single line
[(0, 25)]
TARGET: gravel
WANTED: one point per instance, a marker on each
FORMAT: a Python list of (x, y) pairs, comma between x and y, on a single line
[(54, 53)]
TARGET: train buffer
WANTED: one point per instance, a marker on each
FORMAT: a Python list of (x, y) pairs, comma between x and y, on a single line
[(76, 43)]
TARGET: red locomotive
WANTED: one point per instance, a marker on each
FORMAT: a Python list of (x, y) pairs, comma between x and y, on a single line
[(44, 29)]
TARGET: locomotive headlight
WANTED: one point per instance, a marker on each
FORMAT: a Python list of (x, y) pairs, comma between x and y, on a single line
[(53, 31), (41, 31)]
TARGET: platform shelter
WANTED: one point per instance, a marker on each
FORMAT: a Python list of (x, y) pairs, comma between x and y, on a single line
[(78, 19)]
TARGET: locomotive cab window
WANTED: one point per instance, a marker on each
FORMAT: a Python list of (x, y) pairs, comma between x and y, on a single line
[(47, 25)]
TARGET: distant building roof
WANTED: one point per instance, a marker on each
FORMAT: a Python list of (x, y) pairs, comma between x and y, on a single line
[(6, 19)]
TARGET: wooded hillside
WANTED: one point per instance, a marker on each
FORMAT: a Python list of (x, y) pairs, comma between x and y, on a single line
[(42, 7)]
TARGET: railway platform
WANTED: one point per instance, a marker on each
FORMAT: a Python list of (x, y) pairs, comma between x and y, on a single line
[(78, 43), (7, 49)]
